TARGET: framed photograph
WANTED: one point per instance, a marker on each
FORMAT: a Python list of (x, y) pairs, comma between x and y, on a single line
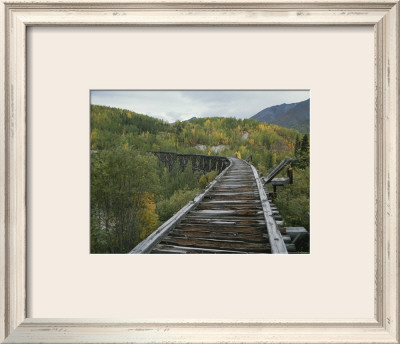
[(186, 127), (192, 170)]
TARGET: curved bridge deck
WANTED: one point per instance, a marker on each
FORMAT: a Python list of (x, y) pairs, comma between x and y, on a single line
[(229, 219), (232, 215)]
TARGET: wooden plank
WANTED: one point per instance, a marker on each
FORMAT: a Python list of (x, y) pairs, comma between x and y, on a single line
[(218, 244), (228, 197), (238, 208), (185, 249), (280, 181), (200, 235), (227, 220), (233, 202), (246, 212), (215, 233), (294, 231), (233, 194), (222, 227)]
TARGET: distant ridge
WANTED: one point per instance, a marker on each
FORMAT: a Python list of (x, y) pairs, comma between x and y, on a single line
[(294, 116)]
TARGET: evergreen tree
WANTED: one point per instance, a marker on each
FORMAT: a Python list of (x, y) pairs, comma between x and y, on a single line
[(305, 144), (297, 147), (303, 160)]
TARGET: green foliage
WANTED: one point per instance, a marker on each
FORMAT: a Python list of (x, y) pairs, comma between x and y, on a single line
[(297, 146), (125, 186), (207, 178), (132, 192), (168, 207), (122, 185), (302, 152), (293, 201), (177, 179)]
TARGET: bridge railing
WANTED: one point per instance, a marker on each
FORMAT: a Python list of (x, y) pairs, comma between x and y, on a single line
[(203, 163)]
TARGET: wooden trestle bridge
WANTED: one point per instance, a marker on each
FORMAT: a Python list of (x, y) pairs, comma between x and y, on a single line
[(234, 214)]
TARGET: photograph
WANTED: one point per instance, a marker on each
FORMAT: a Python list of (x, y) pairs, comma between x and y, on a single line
[(200, 171)]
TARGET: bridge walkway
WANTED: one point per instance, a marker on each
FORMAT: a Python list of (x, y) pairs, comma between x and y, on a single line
[(229, 219)]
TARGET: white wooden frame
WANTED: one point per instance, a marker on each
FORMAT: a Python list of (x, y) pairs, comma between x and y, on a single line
[(17, 15)]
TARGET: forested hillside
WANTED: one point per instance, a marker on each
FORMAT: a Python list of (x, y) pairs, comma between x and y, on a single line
[(132, 193), (295, 115)]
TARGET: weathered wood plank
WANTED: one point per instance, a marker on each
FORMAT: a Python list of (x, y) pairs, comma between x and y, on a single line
[(227, 220), (238, 228), (183, 249), (244, 237), (223, 213), (280, 181), (213, 207), (218, 244), (251, 202)]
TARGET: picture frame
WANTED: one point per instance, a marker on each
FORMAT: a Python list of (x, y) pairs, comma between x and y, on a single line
[(17, 16)]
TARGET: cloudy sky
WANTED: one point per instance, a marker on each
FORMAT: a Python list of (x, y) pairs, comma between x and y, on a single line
[(182, 105)]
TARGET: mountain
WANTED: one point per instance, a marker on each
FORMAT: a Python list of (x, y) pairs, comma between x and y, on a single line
[(295, 115)]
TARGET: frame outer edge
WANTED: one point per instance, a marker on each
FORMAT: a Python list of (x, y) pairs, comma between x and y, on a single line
[(391, 112), (2, 173), (14, 275), (13, 203)]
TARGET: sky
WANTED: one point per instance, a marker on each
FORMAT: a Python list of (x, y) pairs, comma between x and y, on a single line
[(183, 105)]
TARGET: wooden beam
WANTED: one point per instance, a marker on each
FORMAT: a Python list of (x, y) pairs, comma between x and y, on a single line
[(276, 170), (275, 237)]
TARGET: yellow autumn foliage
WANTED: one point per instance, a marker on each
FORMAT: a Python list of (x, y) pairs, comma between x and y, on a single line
[(148, 218)]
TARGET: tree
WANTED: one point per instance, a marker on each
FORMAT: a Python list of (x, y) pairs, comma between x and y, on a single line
[(305, 144), (302, 152), (304, 158), (297, 146), (122, 184)]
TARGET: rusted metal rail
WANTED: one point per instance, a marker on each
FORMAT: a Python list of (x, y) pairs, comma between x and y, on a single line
[(232, 215)]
